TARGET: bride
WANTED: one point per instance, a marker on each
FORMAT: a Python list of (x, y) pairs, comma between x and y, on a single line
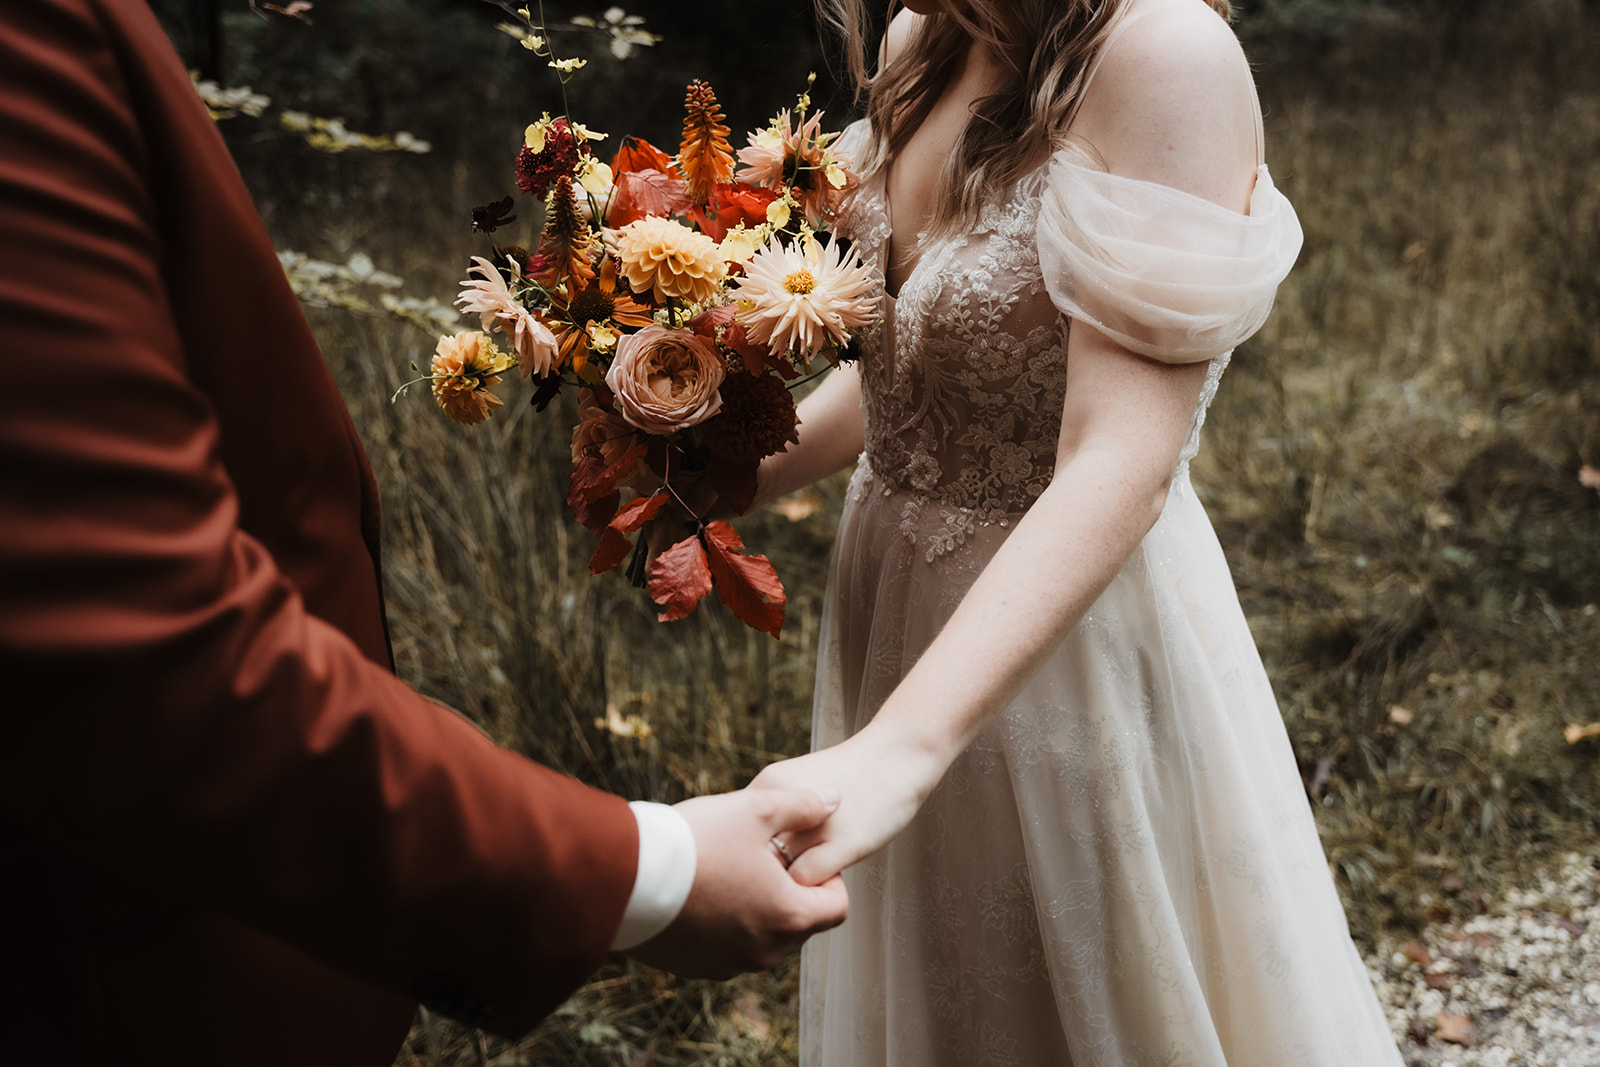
[(1072, 827)]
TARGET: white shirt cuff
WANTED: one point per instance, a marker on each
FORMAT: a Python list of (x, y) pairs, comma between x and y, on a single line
[(667, 862)]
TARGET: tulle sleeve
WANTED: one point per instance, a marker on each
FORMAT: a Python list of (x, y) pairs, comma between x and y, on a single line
[(1163, 272), (853, 141)]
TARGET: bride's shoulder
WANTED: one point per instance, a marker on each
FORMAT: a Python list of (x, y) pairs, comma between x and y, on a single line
[(897, 36), (1172, 101)]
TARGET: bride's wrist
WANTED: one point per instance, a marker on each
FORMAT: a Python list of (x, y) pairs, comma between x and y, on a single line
[(917, 760)]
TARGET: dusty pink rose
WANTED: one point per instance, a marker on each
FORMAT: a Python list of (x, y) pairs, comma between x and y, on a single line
[(665, 380)]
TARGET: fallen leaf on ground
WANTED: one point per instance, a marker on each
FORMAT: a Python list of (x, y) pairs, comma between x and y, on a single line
[(1456, 1029), (1572, 926), (797, 506), (750, 1017), (1418, 1029), (1417, 951), (1574, 733), (1437, 981)]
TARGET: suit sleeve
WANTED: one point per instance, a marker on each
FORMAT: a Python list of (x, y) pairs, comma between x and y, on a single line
[(173, 712)]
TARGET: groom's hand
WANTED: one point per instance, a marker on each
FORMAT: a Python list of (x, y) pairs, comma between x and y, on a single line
[(744, 912)]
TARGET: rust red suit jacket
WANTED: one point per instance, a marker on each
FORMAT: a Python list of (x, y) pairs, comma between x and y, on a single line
[(231, 836)]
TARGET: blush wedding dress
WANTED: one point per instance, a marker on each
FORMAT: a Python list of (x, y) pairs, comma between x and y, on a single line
[(1123, 869)]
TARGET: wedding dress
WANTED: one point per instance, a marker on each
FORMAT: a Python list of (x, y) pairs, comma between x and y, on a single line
[(1123, 869)]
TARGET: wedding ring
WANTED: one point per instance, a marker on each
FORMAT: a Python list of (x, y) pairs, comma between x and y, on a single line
[(783, 851)]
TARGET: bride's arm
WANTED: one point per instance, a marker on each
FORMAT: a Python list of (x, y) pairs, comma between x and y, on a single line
[(831, 435), (1124, 423)]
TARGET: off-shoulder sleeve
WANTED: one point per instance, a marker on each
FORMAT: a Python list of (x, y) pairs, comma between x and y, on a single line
[(853, 142), (1163, 272)]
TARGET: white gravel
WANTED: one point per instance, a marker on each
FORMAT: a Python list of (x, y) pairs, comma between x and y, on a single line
[(1523, 978)]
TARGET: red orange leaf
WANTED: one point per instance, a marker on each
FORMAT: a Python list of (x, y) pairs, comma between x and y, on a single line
[(614, 545), (592, 492), (746, 583), (638, 154), (645, 192), (679, 579), (705, 324), (613, 548), (756, 357)]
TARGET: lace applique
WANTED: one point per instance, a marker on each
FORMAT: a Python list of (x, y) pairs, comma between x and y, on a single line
[(963, 385)]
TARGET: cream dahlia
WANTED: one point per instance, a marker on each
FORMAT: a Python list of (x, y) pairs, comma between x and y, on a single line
[(802, 298), (670, 261), (489, 296)]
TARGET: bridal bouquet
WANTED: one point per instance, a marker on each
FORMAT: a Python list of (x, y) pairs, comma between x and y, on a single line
[(683, 297)]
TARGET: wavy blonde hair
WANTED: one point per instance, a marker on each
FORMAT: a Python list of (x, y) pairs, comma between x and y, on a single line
[(1044, 48)]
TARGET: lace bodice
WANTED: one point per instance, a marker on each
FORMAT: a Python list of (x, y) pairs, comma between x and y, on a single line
[(963, 383)]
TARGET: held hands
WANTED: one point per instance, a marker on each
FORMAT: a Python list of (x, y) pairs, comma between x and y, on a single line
[(881, 783), (745, 911)]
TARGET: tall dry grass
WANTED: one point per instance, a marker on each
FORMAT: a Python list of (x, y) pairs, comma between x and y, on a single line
[(1392, 466)]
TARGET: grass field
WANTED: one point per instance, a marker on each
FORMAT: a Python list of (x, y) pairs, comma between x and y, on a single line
[(1392, 465)]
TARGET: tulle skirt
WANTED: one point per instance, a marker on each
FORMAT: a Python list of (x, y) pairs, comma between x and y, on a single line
[(1122, 870)]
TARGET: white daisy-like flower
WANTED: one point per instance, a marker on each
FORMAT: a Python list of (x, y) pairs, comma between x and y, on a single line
[(805, 297)]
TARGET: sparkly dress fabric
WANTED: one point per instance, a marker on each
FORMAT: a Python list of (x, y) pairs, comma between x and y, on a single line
[(1122, 870)]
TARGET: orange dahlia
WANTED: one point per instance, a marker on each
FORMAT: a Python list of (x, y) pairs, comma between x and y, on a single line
[(465, 368)]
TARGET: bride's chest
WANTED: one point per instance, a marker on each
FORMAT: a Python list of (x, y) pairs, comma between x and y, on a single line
[(973, 305)]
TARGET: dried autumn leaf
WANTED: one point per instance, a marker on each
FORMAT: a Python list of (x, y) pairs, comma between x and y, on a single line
[(592, 492), (645, 192), (1574, 927), (1575, 733), (592, 508), (624, 725), (1417, 952), (705, 157), (707, 322), (746, 583), (1457, 1029), (638, 154), (749, 1017), (798, 506), (756, 357), (614, 545), (679, 579)]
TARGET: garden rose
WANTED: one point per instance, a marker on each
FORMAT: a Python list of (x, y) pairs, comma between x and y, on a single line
[(665, 380)]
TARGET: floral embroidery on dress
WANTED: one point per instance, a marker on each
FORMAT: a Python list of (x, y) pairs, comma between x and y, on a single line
[(963, 387)]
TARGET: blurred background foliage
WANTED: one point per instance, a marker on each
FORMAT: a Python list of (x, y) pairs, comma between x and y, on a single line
[(1393, 465)]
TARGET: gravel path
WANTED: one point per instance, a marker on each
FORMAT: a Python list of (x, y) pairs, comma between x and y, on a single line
[(1516, 985)]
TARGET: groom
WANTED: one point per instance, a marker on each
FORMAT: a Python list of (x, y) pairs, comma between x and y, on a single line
[(231, 836)]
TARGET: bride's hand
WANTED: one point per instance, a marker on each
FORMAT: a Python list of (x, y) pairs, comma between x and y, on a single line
[(881, 786)]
